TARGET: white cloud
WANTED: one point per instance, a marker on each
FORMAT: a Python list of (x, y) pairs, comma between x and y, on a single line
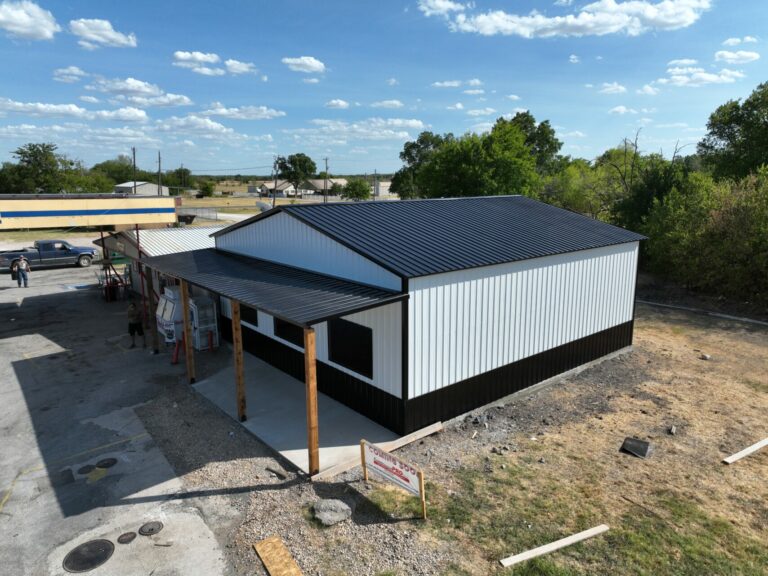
[(673, 125), (90, 99), (193, 59), (737, 41), (440, 7), (447, 84), (387, 104), (481, 112), (474, 82), (683, 62), (573, 59), (738, 57), (167, 99), (474, 91), (243, 112), (695, 77), (589, 85), (209, 71), (563, 2), (574, 134), (392, 82), (69, 75), (237, 67), (337, 103), (264, 78), (306, 64), (311, 80), (612, 88), (125, 87), (513, 97), (40, 109), (339, 133), (648, 90), (95, 33), (598, 18), (27, 20), (73, 135), (457, 106), (199, 126), (621, 110)]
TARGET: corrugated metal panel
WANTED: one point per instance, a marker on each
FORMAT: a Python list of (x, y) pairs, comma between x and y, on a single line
[(294, 295), (421, 237), (385, 322), (281, 238), (161, 241), (464, 323)]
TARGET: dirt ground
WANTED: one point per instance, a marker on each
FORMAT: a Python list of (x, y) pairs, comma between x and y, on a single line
[(538, 468)]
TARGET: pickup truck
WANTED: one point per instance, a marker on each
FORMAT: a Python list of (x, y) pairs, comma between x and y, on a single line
[(48, 253)]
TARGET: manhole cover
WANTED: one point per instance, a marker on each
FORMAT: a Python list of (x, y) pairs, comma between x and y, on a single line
[(126, 538), (150, 528), (106, 463), (88, 556), (87, 469)]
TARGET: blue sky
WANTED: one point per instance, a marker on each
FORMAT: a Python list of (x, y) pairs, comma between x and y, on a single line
[(223, 87)]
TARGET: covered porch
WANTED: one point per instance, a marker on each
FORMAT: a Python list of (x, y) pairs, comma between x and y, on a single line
[(267, 400)]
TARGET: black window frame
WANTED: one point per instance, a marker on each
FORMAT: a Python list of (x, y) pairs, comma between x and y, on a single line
[(250, 315), (287, 331), (351, 345)]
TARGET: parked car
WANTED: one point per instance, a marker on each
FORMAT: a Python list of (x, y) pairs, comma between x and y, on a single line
[(48, 253)]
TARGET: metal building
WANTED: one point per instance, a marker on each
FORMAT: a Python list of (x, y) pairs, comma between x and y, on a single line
[(422, 310)]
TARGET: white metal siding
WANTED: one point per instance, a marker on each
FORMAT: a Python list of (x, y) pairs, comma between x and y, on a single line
[(385, 321), (284, 239), (468, 322)]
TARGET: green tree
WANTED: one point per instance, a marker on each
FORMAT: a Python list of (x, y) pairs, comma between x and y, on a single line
[(38, 169), (336, 189), (295, 168), (415, 155), (736, 143), (356, 189), (206, 188), (119, 169), (541, 140)]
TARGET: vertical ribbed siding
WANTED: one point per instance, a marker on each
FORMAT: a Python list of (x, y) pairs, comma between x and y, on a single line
[(468, 322), (385, 322), (282, 238)]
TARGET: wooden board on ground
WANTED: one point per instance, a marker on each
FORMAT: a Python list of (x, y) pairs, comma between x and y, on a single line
[(388, 446), (276, 557), (746, 451), (552, 546)]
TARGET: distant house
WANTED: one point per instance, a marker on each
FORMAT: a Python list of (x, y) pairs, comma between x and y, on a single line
[(230, 187), (382, 188), (284, 188), (317, 185), (142, 189)]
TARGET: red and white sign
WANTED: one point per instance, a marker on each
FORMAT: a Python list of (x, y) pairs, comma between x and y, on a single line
[(391, 468)]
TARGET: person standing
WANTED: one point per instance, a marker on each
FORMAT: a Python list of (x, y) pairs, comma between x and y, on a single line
[(135, 324), (22, 271)]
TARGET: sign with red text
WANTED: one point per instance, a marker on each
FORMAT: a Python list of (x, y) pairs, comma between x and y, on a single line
[(389, 467)]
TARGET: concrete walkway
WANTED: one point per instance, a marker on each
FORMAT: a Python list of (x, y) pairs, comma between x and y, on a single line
[(277, 415)]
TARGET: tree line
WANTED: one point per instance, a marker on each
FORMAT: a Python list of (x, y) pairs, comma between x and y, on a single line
[(705, 214)]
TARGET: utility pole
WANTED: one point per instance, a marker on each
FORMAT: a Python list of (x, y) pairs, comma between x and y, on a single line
[(133, 150), (325, 184), (375, 184), (274, 191), (159, 175)]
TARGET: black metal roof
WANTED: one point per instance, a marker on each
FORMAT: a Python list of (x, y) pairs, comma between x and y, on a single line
[(294, 295), (421, 237)]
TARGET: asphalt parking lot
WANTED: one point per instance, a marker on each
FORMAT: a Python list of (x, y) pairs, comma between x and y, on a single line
[(77, 462)]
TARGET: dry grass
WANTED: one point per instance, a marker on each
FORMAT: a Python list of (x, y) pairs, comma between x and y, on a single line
[(681, 511)]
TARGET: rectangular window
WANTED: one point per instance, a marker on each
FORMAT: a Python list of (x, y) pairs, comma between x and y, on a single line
[(248, 314), (351, 345), (289, 332)]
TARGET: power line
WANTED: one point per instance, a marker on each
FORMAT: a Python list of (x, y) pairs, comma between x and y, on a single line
[(204, 170)]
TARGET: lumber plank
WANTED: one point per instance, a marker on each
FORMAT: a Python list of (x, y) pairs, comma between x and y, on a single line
[(388, 446), (310, 377), (746, 452), (276, 557), (552, 546), (237, 342)]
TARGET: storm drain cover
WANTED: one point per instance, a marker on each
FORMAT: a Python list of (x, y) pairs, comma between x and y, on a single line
[(87, 469), (150, 528), (106, 463), (126, 538), (88, 556)]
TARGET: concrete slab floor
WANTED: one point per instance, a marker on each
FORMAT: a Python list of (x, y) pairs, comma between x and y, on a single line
[(277, 415), (68, 388)]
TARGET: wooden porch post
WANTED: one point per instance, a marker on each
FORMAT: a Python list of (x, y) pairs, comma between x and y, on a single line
[(152, 310), (237, 343), (310, 377), (188, 348)]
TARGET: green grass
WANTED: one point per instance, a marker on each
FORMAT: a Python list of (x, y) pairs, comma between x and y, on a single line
[(30, 236), (757, 386), (504, 512)]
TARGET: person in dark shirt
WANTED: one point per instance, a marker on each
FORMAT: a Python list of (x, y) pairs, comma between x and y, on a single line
[(135, 325), (22, 271)]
